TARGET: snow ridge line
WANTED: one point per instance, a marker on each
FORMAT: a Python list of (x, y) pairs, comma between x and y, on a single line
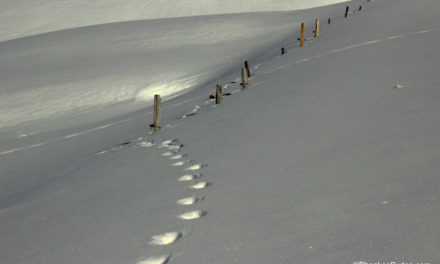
[(192, 113), (198, 108), (104, 126), (174, 148)]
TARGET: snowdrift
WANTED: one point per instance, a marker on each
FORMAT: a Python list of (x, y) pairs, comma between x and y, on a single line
[(21, 18)]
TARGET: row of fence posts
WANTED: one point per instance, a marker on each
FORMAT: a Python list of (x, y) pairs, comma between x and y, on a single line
[(245, 73)]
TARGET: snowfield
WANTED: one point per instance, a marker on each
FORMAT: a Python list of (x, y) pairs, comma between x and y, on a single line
[(20, 18), (103, 70), (329, 156)]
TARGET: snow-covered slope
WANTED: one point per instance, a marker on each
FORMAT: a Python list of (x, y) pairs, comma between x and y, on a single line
[(123, 65), (330, 156), (21, 18), (101, 71)]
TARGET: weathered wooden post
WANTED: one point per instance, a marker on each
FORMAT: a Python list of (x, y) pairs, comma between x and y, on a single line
[(282, 51), (246, 65), (244, 78), (317, 28), (329, 21), (157, 102), (218, 94), (303, 28), (360, 8), (346, 11)]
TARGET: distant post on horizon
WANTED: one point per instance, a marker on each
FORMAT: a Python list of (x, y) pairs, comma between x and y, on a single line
[(317, 28), (303, 28), (157, 101), (346, 11), (244, 78), (246, 65), (218, 94)]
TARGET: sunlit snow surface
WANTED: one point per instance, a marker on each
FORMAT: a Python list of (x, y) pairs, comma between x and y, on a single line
[(23, 18), (123, 65)]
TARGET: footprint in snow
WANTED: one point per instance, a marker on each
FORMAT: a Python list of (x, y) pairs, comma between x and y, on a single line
[(200, 185), (122, 146), (195, 167), (188, 115), (145, 144), (193, 215), (175, 147), (165, 239), (193, 112), (179, 156), (189, 200), (156, 260), (181, 163), (167, 154), (168, 143), (189, 177)]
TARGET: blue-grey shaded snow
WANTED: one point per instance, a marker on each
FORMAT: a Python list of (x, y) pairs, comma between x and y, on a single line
[(331, 155)]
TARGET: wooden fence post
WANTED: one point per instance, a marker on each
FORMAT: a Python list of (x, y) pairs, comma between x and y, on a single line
[(244, 78), (346, 11), (218, 94), (317, 28), (246, 65), (329, 21), (303, 27), (282, 51), (157, 102)]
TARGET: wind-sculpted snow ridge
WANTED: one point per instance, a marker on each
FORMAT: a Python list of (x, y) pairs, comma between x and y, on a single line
[(94, 73), (41, 16)]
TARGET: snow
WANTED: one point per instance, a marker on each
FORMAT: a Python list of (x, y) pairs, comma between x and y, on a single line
[(187, 201), (23, 18), (109, 70), (165, 239), (155, 260), (330, 156), (192, 215)]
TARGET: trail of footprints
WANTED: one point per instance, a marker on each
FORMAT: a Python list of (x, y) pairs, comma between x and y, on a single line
[(190, 175), (174, 148)]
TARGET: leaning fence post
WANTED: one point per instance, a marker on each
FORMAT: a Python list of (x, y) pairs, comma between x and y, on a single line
[(346, 11), (317, 28), (303, 27), (244, 78), (218, 94), (246, 65), (157, 102)]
